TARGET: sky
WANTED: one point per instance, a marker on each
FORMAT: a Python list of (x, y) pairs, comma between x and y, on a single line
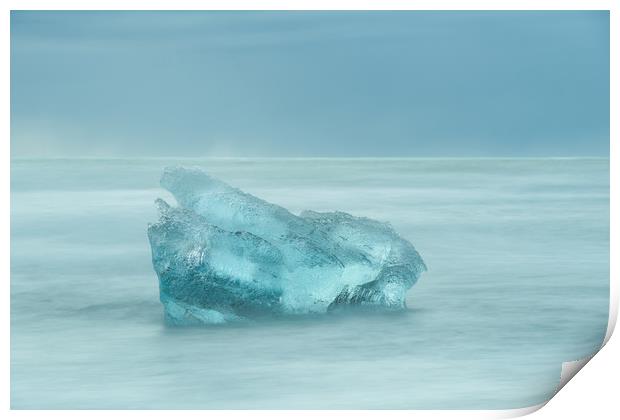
[(309, 84)]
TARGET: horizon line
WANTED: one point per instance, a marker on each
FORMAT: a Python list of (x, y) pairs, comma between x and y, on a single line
[(303, 157)]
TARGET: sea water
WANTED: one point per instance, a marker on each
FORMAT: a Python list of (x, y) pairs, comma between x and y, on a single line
[(518, 282)]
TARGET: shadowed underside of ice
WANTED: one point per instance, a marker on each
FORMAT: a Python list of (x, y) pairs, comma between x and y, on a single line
[(225, 255)]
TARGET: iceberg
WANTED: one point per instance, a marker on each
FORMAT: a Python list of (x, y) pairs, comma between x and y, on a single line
[(224, 255)]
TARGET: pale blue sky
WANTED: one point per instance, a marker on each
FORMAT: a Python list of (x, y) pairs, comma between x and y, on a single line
[(310, 83)]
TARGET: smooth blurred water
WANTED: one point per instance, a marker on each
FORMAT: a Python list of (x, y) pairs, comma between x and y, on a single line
[(518, 282)]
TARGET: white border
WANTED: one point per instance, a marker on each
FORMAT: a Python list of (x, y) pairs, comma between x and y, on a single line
[(597, 383)]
